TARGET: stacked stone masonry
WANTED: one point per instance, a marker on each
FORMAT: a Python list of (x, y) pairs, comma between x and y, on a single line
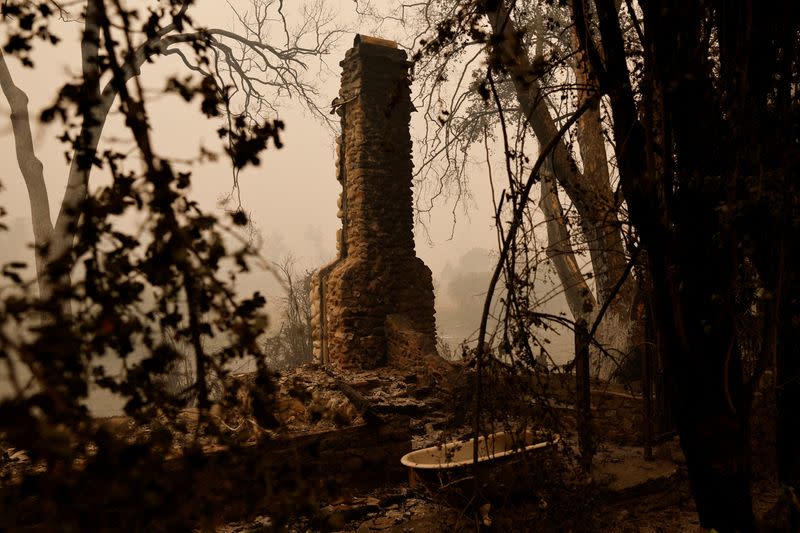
[(374, 303)]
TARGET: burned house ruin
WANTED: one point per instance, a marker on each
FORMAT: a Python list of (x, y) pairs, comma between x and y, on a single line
[(373, 305)]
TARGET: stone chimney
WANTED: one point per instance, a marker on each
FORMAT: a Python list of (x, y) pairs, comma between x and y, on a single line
[(373, 305)]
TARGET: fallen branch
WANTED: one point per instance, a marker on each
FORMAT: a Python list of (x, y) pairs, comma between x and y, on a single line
[(359, 401)]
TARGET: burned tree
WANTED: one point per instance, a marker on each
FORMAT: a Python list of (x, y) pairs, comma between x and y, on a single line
[(708, 166)]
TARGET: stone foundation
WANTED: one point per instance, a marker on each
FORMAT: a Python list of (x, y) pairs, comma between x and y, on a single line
[(617, 414), (377, 273)]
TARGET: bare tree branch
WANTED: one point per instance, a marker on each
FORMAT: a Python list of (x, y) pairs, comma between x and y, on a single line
[(258, 56)]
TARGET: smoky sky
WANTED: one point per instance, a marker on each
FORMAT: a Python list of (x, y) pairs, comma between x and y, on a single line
[(291, 196)]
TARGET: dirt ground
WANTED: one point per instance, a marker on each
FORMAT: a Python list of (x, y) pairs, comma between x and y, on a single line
[(623, 493), (401, 509)]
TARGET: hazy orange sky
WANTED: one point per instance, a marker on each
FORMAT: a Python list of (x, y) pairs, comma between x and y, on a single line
[(291, 196)]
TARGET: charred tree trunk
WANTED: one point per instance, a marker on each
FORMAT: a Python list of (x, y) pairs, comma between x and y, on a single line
[(684, 153), (788, 388), (583, 396), (709, 401)]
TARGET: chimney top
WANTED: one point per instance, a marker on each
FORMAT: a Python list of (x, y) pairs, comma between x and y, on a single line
[(366, 39)]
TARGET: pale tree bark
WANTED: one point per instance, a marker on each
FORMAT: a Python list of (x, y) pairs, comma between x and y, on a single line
[(52, 242), (590, 192), (582, 303), (30, 166), (94, 118), (621, 331)]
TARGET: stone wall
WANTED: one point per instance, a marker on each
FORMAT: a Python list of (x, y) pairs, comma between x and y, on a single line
[(617, 415), (285, 475), (377, 272)]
